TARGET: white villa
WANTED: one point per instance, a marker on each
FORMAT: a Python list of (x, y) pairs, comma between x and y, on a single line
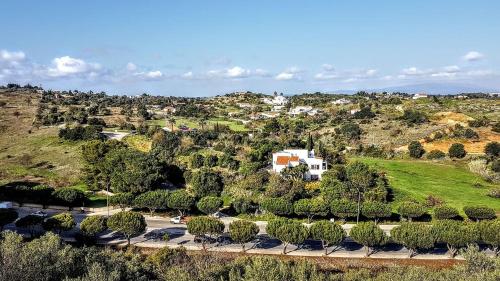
[(419, 96), (294, 157), (341, 101), (277, 100), (309, 110)]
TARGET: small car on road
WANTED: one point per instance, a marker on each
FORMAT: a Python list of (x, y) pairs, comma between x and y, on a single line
[(41, 214)]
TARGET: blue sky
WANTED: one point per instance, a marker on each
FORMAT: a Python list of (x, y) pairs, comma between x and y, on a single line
[(200, 48)]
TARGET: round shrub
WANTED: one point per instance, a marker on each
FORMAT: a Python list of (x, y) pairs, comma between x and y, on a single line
[(411, 210), (416, 149), (277, 206), (69, 196), (479, 212), (435, 154), (445, 212), (457, 150), (492, 149)]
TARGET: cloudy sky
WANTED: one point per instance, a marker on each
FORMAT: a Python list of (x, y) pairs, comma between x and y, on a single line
[(202, 48)]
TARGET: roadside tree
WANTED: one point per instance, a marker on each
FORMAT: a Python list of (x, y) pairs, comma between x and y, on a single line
[(376, 210), (311, 207), (414, 236), (127, 223), (59, 223), (204, 226), (30, 223), (369, 235), (181, 201), (93, 225), (455, 234), (209, 204), (411, 210), (287, 231), (329, 233), (243, 232)]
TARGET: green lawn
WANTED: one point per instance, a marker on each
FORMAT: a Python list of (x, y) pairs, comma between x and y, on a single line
[(451, 182)]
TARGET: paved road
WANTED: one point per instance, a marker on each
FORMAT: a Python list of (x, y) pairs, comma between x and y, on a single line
[(179, 236)]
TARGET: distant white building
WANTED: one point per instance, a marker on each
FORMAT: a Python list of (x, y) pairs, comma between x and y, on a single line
[(293, 157), (341, 101), (419, 96), (277, 100), (309, 110), (353, 111), (271, 114), (245, 105)]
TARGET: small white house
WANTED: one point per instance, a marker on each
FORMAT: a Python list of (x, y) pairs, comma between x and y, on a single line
[(419, 96), (309, 110), (277, 100), (341, 101), (293, 157)]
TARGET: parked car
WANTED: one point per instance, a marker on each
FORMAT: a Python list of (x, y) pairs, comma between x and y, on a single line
[(176, 220), (39, 214), (218, 215)]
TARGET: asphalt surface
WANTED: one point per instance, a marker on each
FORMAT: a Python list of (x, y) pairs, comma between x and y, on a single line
[(158, 226)]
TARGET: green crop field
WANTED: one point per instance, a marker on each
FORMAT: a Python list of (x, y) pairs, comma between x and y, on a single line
[(448, 181), (195, 124)]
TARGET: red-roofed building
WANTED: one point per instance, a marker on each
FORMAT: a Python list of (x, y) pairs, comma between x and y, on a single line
[(294, 157)]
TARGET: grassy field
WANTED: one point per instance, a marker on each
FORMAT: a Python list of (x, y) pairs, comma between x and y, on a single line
[(451, 182)]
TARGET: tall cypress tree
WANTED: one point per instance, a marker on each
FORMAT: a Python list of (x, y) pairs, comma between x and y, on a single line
[(310, 143)]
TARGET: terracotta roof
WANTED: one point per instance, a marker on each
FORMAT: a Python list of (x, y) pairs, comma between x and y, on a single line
[(282, 160)]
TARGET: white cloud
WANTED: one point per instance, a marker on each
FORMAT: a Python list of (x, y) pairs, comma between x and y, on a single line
[(68, 66), (283, 76), (6, 56), (237, 72), (473, 56), (131, 66), (327, 67), (149, 75), (187, 75), (291, 73), (347, 76)]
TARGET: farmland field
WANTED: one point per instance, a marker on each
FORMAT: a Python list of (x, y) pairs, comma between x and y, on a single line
[(451, 182)]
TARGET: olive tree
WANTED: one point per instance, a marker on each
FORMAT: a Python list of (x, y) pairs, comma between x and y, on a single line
[(414, 236), (209, 204), (93, 225), (59, 223), (205, 226), (329, 233), (310, 208), (411, 210), (7, 216), (376, 210), (242, 231), (457, 150), (181, 201), (455, 234), (369, 235), (287, 231), (127, 223)]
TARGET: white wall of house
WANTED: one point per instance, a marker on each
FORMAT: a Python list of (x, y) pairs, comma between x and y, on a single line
[(317, 166)]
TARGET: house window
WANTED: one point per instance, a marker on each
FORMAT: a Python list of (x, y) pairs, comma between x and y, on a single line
[(314, 177), (314, 167)]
